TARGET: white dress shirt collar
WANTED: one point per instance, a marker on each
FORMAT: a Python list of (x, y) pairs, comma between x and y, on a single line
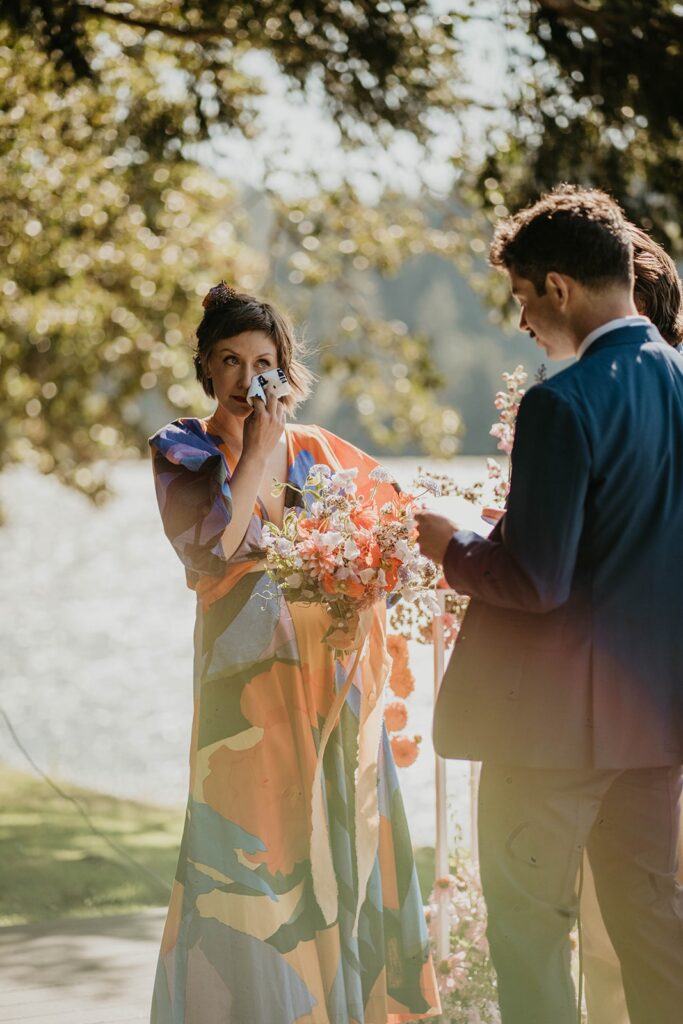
[(623, 321)]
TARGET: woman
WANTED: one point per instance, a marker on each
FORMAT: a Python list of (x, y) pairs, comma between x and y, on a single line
[(246, 940)]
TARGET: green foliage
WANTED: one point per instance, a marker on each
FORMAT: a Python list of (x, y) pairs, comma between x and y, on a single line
[(104, 254), (112, 229), (112, 232), (596, 99), (377, 65), (335, 248)]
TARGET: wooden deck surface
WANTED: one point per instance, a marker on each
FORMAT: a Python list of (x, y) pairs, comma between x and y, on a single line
[(97, 970)]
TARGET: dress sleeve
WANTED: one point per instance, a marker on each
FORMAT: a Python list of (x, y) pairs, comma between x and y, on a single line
[(313, 444), (192, 486)]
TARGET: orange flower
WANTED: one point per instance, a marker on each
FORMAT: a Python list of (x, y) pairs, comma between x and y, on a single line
[(402, 501), (391, 575), (354, 588), (405, 750), (396, 716), (304, 525), (330, 584), (397, 645), (401, 680), (364, 517), (373, 555)]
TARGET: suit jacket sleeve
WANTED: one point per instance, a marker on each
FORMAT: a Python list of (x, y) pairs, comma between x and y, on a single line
[(529, 564)]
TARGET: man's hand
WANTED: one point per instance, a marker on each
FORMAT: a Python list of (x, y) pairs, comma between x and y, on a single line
[(434, 534)]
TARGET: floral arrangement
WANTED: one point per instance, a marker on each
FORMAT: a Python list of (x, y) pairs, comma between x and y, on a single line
[(342, 551), (466, 978), (507, 403), (414, 621)]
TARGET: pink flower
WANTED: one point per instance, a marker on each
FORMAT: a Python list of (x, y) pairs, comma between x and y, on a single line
[(447, 883), (459, 968)]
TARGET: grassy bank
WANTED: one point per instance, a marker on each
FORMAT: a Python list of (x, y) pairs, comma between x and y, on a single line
[(52, 865)]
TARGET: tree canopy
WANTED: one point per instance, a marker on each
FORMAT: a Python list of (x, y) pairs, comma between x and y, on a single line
[(112, 230), (377, 65), (596, 98), (114, 223)]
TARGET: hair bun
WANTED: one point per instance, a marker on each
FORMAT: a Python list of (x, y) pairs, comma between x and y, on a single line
[(220, 295)]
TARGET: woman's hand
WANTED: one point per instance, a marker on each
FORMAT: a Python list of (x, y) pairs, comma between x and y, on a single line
[(262, 432), (263, 428)]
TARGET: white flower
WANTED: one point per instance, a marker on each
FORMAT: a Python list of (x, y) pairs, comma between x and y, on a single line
[(294, 581), (317, 474), (329, 540), (381, 475), (402, 550), (366, 575), (428, 483), (343, 480), (282, 546), (351, 549)]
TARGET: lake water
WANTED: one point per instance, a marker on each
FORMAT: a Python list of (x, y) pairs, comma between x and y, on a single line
[(96, 642)]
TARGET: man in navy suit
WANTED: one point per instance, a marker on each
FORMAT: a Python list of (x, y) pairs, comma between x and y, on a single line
[(567, 678)]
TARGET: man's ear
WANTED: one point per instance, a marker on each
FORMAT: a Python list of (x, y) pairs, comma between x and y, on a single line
[(558, 287)]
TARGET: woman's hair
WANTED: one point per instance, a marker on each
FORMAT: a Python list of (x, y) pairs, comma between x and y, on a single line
[(657, 290), (228, 313), (580, 232)]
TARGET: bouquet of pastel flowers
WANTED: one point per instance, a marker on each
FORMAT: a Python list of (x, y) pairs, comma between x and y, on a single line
[(346, 552)]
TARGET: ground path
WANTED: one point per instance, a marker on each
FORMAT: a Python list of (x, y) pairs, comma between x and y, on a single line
[(96, 970)]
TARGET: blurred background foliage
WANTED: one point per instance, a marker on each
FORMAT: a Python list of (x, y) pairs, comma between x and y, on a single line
[(117, 217), (597, 99)]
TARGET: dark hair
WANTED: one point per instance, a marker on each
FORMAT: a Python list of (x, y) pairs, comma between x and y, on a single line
[(228, 313), (657, 289), (575, 231)]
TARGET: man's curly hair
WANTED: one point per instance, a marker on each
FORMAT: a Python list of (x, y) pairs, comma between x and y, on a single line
[(580, 232)]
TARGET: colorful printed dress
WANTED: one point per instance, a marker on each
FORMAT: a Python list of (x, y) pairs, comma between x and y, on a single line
[(245, 940)]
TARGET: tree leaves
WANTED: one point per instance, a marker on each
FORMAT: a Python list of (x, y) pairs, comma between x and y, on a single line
[(597, 101)]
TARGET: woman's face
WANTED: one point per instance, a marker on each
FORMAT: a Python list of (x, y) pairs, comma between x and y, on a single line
[(233, 362)]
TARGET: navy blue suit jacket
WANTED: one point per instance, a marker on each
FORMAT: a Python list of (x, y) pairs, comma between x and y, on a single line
[(571, 653)]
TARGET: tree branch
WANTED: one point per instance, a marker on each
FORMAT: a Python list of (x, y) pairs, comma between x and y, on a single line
[(570, 9), (583, 12), (192, 33)]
